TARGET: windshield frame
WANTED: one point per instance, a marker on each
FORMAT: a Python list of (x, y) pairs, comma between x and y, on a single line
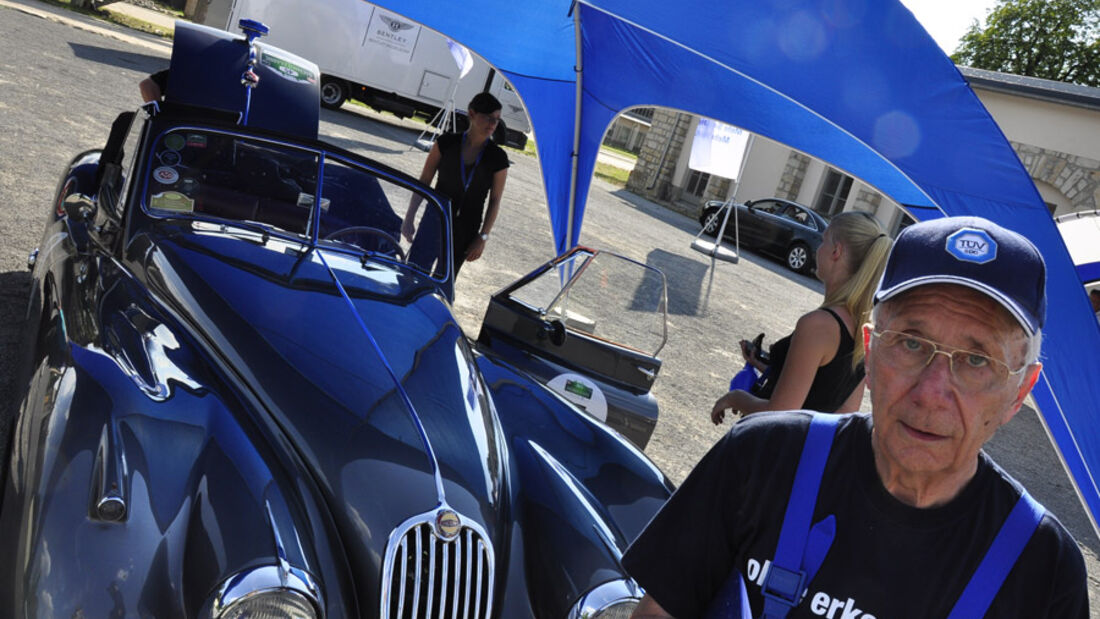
[(323, 153)]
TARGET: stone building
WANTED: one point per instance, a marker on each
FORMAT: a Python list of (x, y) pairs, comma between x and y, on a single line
[(1054, 128)]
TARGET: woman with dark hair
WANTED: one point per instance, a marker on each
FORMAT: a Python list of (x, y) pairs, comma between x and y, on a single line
[(470, 168)]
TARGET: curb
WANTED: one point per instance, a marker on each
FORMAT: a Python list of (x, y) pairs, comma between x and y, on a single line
[(82, 24)]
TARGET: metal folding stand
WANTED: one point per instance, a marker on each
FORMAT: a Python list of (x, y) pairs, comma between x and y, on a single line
[(716, 250), (443, 120)]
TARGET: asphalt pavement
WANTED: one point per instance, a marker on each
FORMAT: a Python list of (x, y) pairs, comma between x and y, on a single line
[(63, 78)]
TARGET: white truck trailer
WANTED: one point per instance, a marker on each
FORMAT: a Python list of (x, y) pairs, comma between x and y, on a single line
[(377, 57)]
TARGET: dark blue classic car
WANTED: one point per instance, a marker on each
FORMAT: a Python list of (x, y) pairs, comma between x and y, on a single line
[(245, 394), (781, 228)]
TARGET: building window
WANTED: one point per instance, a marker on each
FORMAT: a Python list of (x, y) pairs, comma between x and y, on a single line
[(834, 193), (697, 183), (902, 223)]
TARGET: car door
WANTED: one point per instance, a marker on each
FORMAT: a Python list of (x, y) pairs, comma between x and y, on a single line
[(767, 223), (589, 325), (783, 230), (754, 222)]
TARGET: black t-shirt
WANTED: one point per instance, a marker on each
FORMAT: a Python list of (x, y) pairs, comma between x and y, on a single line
[(467, 201), (833, 382), (888, 560)]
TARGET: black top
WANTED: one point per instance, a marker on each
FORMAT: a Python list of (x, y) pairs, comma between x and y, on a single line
[(888, 560), (467, 200), (833, 382)]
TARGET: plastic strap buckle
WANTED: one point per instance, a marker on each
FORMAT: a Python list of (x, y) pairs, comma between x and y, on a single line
[(783, 586)]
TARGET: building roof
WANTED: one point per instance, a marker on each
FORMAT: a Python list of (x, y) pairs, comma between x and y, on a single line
[(1033, 87)]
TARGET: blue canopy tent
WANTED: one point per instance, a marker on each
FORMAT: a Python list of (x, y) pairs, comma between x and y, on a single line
[(857, 83)]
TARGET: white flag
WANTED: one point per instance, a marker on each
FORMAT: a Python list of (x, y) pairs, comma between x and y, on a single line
[(718, 148), (463, 58)]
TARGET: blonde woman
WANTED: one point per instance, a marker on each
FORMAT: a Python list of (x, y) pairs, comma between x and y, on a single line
[(820, 366)]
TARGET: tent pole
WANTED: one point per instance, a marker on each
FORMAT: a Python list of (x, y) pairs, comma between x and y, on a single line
[(579, 70)]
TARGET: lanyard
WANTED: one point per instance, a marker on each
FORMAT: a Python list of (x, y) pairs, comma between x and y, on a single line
[(466, 180)]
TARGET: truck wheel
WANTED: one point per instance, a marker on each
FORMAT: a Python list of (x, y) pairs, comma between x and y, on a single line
[(333, 93), (518, 139), (500, 134)]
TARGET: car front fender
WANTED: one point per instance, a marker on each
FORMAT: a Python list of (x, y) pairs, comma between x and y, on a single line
[(132, 504), (582, 491)]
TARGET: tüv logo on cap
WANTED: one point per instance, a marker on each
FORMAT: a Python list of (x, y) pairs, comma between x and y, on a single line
[(970, 245)]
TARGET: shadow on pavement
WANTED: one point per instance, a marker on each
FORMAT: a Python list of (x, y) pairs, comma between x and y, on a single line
[(684, 278), (14, 288), (356, 122), (146, 63)]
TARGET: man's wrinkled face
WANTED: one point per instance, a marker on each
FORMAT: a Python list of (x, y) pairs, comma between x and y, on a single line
[(926, 422)]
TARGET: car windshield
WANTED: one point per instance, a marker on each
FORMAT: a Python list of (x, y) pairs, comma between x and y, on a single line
[(230, 177), (603, 295)]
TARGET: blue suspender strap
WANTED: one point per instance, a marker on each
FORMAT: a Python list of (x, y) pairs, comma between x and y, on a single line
[(790, 570), (999, 559)]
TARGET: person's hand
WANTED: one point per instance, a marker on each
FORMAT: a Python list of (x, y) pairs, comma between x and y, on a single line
[(747, 351), (408, 230), (751, 354), (726, 402), (152, 108), (475, 250)]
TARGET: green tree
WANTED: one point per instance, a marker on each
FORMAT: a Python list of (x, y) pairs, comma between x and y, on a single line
[(1052, 39)]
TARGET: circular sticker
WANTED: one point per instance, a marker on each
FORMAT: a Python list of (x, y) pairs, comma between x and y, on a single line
[(166, 175), (174, 141), (169, 157), (581, 391)]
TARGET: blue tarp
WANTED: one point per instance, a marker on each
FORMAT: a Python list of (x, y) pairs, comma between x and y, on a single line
[(857, 83)]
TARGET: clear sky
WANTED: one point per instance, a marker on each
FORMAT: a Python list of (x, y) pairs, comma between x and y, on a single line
[(947, 20)]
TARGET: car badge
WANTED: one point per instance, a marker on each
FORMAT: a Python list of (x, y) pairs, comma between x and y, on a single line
[(447, 524), (166, 175), (971, 245)]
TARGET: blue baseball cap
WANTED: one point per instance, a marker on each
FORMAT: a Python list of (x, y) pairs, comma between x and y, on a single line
[(972, 252)]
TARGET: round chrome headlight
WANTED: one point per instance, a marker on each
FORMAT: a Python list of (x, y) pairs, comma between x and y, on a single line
[(611, 600), (275, 604), (266, 592)]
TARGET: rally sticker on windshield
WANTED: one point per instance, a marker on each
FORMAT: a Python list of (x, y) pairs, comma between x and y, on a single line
[(172, 201), (166, 175), (174, 141), (286, 69)]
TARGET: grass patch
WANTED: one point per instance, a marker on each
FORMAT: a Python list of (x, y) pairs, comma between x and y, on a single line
[(84, 8), (625, 153), (135, 24), (612, 174)]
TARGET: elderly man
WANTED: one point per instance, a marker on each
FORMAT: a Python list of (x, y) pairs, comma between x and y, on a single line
[(898, 513)]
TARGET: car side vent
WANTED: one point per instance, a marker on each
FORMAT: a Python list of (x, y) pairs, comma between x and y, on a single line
[(438, 565)]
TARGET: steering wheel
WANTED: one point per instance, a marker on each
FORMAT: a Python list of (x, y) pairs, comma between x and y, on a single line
[(371, 231)]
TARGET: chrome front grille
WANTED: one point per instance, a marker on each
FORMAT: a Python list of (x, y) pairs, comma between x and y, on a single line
[(427, 576)]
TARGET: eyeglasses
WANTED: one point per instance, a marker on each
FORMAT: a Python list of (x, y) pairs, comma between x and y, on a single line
[(972, 371), (489, 117)]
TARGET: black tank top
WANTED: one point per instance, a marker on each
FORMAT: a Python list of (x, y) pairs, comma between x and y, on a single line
[(833, 382)]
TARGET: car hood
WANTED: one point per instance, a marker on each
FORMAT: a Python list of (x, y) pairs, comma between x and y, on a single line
[(361, 366)]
